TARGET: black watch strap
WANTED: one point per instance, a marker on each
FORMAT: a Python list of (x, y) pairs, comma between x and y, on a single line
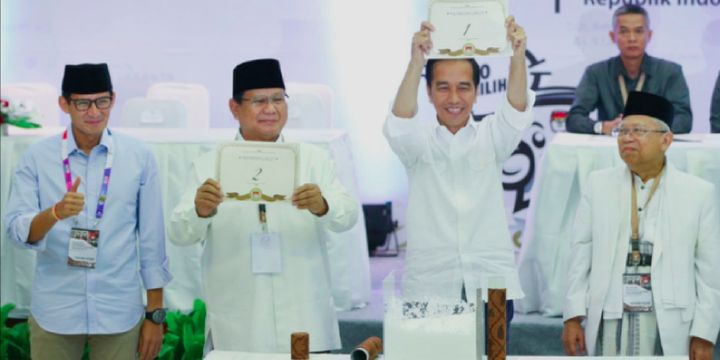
[(157, 316)]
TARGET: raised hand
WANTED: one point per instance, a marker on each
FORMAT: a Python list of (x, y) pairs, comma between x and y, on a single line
[(421, 43), (71, 204), (516, 36)]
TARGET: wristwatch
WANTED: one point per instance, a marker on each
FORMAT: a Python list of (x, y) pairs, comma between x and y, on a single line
[(598, 127), (157, 316)]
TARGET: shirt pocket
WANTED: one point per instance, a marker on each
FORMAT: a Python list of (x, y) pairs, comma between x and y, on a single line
[(479, 162), (434, 161)]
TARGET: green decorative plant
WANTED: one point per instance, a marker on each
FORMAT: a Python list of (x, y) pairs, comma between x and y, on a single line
[(185, 336), (14, 341)]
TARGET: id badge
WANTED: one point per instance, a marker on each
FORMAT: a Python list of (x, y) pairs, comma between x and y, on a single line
[(82, 249), (637, 293), (266, 253)]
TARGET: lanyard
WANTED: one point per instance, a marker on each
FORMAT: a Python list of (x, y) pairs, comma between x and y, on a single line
[(634, 217), (100, 210), (262, 213), (623, 87)]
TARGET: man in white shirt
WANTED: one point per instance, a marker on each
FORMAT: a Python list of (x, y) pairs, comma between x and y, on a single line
[(457, 232), (646, 244), (249, 309)]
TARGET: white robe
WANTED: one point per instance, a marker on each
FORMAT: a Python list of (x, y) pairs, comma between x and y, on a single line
[(686, 288), (257, 313)]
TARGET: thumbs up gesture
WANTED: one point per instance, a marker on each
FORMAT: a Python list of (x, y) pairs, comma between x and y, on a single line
[(72, 203)]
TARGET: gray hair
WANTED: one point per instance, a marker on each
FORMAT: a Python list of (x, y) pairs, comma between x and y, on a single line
[(661, 125), (630, 9)]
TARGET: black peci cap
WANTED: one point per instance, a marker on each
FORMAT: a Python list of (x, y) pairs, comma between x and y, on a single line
[(642, 103), (86, 79), (257, 74)]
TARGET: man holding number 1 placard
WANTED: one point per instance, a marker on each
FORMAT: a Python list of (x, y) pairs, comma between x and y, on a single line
[(457, 233)]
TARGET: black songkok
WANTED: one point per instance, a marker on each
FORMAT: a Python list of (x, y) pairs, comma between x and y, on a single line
[(257, 74), (642, 103), (86, 79)]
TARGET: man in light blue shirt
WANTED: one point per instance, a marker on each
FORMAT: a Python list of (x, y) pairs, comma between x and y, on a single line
[(89, 202)]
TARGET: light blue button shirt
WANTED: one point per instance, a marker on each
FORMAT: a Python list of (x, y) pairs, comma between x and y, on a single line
[(107, 299)]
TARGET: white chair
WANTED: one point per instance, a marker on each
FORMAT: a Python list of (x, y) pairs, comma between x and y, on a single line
[(310, 106), (40, 98), (195, 97), (153, 113)]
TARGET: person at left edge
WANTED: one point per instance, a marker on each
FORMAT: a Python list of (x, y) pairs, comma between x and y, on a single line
[(91, 183), (715, 107)]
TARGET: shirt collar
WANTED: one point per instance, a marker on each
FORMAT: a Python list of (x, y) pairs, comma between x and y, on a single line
[(646, 66), (105, 142), (638, 179), (639, 182), (446, 136), (239, 137)]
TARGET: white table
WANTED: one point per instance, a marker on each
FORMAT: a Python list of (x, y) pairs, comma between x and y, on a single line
[(175, 149), (562, 176), (236, 355)]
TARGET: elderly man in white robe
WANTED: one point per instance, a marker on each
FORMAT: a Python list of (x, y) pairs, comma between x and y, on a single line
[(646, 244), (248, 309)]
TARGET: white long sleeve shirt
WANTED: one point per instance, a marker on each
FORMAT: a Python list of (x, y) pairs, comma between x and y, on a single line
[(457, 231)]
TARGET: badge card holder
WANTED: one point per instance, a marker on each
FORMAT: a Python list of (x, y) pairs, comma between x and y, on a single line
[(82, 251), (637, 293), (266, 247)]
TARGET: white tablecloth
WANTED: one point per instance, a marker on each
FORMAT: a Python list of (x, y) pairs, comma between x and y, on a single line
[(232, 355), (236, 355), (562, 177), (175, 149)]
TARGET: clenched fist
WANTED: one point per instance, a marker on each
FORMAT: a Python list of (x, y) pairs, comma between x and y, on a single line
[(207, 198), (310, 197), (516, 36)]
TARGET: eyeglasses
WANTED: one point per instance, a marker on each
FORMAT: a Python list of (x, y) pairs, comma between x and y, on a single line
[(262, 101), (636, 132), (102, 103)]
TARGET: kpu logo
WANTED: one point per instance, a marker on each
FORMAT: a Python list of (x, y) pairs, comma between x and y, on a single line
[(551, 106)]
